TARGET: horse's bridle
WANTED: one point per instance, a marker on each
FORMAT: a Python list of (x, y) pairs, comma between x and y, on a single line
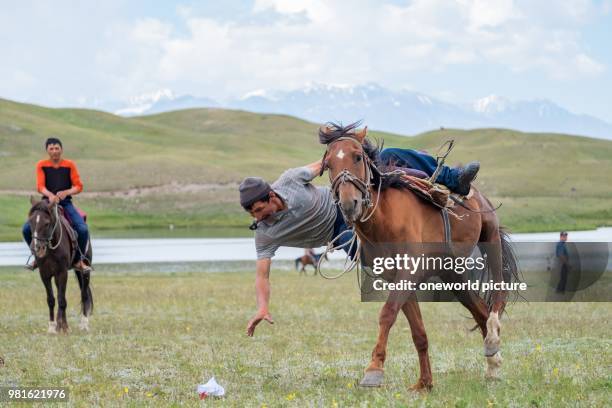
[(48, 240), (345, 176)]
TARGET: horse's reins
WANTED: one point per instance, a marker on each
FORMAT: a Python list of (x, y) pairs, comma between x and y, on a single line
[(331, 248), (440, 159), (346, 176)]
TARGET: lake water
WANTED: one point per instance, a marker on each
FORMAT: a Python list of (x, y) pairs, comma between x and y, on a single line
[(159, 250)]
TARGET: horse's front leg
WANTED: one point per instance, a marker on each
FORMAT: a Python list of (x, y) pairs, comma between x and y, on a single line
[(374, 373), (52, 329), (61, 281), (413, 313)]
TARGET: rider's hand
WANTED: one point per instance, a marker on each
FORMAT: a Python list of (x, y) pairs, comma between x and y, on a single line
[(62, 195), (259, 316), (54, 199)]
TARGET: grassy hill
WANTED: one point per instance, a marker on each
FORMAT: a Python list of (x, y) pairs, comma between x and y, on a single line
[(545, 181)]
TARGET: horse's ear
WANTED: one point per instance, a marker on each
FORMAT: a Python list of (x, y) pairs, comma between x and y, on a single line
[(51, 205), (324, 129), (324, 132), (34, 200), (361, 135)]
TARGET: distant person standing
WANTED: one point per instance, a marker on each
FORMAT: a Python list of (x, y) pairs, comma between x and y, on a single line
[(563, 257)]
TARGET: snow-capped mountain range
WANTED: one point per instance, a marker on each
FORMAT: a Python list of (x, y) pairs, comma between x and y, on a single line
[(163, 100), (403, 112)]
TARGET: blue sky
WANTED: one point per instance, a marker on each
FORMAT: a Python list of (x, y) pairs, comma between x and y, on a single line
[(76, 54)]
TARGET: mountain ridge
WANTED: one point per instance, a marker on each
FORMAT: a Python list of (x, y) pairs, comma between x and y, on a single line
[(403, 112)]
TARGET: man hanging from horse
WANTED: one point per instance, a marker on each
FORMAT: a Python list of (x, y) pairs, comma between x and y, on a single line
[(58, 179), (293, 212)]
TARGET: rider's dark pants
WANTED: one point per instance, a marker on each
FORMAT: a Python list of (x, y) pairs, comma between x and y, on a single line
[(420, 161), (78, 223)]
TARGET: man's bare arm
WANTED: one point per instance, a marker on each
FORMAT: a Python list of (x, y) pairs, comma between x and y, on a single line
[(262, 283), (315, 167), (262, 290)]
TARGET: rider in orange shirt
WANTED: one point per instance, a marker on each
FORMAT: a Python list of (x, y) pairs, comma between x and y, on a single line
[(58, 179)]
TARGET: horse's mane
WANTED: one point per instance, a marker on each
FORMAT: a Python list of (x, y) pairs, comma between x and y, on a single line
[(372, 149)]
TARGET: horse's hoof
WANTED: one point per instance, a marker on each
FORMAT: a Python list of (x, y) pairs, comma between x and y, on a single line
[(494, 366), (372, 378), (62, 327), (52, 329), (421, 386), (84, 324)]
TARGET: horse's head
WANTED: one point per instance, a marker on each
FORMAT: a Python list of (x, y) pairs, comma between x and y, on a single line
[(42, 223), (348, 165)]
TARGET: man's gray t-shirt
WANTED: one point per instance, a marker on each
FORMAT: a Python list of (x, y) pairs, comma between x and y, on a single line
[(308, 221)]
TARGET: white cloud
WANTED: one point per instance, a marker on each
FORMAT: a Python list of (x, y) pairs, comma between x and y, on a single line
[(491, 13), (150, 30), (316, 10), (588, 66)]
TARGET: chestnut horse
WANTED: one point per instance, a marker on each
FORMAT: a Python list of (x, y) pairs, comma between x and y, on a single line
[(382, 211), (54, 252)]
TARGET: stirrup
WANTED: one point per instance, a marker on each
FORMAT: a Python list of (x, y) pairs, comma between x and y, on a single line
[(31, 267)]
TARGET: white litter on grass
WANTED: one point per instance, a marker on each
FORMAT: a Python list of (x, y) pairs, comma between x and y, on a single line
[(211, 388)]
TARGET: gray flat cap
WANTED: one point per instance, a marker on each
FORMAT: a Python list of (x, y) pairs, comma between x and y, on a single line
[(253, 189)]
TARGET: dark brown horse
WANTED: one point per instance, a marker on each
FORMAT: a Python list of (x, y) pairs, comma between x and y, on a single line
[(54, 251), (383, 212)]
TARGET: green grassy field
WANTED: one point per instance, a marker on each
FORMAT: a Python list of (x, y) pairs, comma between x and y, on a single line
[(545, 181), (155, 336)]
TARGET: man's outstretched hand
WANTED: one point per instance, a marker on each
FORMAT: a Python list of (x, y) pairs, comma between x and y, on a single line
[(256, 320)]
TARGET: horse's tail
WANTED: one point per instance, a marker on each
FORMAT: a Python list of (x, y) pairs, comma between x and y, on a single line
[(509, 265), (510, 268), (297, 262)]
